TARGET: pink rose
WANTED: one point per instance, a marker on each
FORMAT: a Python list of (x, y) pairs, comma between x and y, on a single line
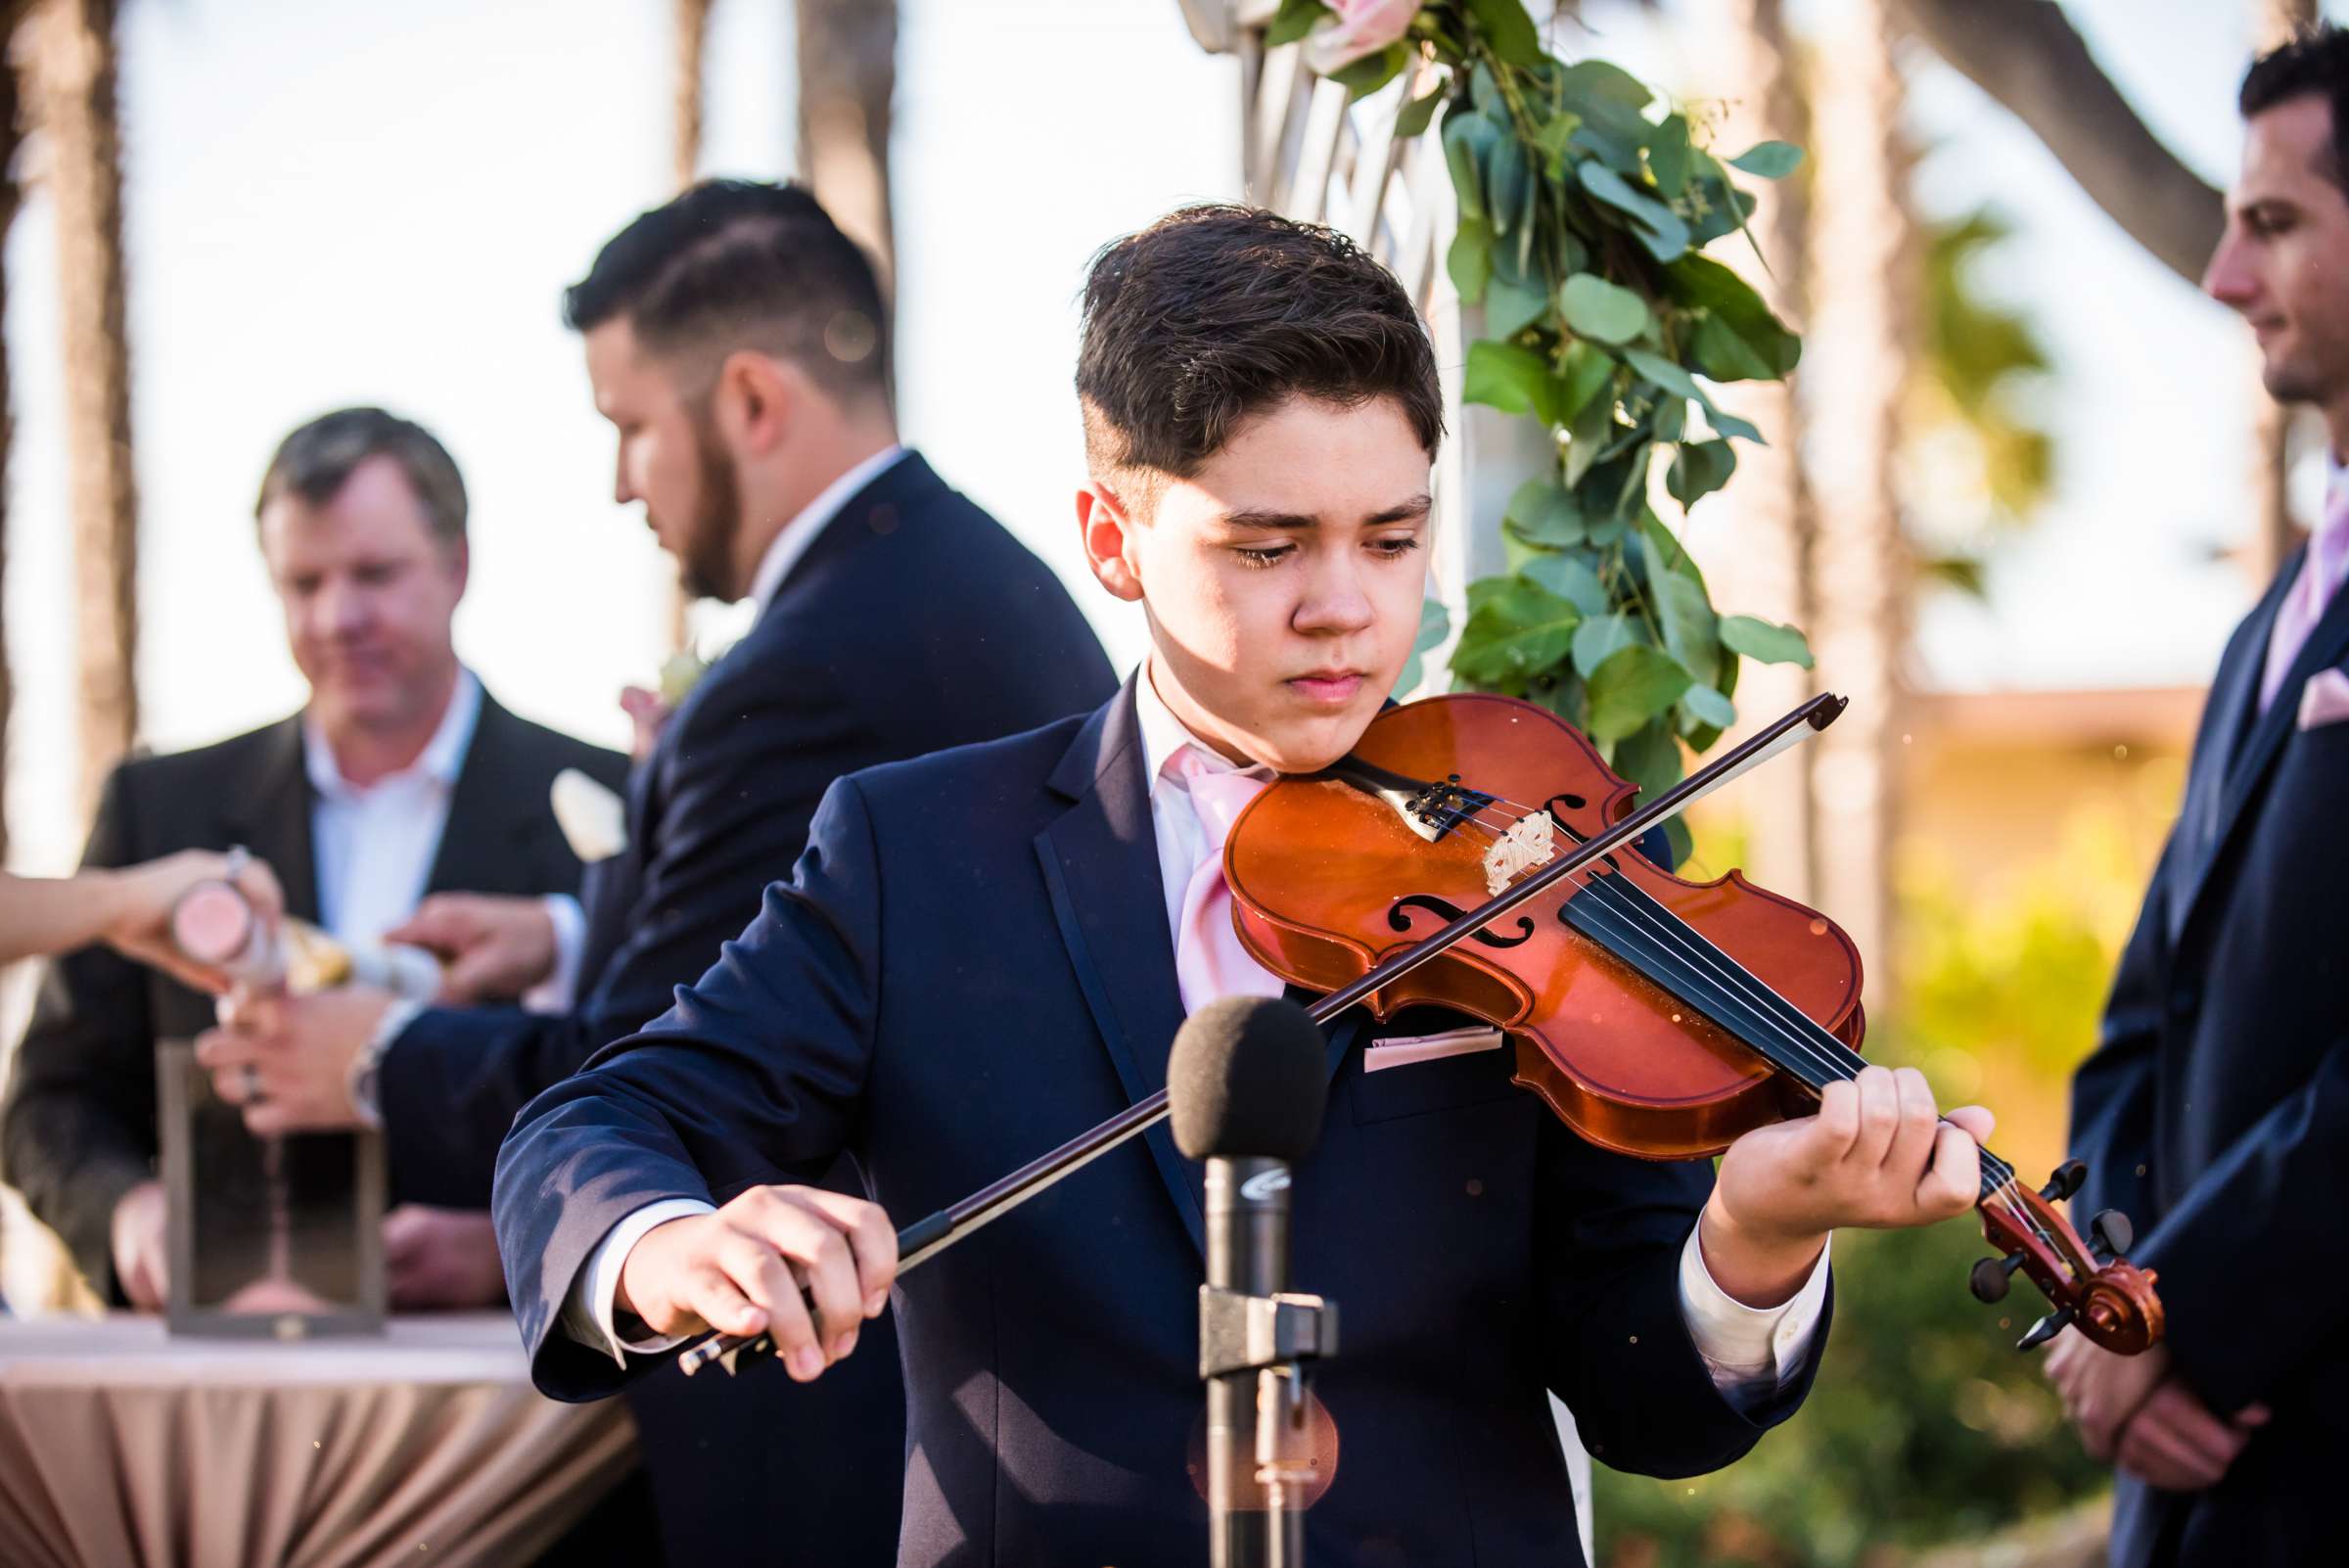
[(1359, 27)]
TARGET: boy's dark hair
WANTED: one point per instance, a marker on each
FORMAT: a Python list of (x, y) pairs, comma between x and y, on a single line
[(738, 264), (316, 460), (1216, 313), (2315, 64)]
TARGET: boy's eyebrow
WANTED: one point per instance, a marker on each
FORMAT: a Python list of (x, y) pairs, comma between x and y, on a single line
[(1264, 517)]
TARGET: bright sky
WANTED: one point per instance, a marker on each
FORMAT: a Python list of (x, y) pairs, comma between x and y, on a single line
[(334, 204)]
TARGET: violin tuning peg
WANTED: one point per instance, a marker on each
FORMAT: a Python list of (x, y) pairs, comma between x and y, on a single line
[(1988, 1281), (2110, 1233), (2065, 1182), (2044, 1329)]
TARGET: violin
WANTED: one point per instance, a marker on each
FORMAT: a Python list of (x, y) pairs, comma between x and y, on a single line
[(1655, 1016)]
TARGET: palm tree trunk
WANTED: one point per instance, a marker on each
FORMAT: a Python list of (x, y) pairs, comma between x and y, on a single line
[(1766, 565), (11, 197), (73, 77), (848, 71), (1861, 252), (693, 38)]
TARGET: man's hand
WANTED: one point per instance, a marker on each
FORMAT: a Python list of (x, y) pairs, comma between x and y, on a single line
[(741, 1268), (142, 1255), (442, 1258), (1876, 1155), (287, 1059), (492, 946), (2137, 1412)]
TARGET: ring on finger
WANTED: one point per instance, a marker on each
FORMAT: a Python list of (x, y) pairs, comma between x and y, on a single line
[(248, 1081)]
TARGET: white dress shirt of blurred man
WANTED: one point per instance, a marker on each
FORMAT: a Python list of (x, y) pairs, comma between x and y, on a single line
[(399, 777)]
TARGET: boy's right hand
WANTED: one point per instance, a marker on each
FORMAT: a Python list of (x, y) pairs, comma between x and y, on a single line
[(743, 1269)]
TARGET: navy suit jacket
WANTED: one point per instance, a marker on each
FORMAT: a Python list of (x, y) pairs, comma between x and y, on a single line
[(2215, 1111), (914, 622), (972, 964)]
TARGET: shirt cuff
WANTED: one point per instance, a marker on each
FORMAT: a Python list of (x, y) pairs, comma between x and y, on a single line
[(554, 993), (366, 1068), (1751, 1351), (587, 1311)]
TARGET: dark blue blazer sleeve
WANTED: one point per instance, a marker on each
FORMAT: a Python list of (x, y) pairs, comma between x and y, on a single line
[(1617, 1347), (738, 787), (753, 1077)]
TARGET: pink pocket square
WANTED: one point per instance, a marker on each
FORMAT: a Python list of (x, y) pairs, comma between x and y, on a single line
[(2325, 700), (1403, 1051)]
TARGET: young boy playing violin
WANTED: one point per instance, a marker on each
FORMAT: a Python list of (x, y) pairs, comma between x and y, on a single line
[(988, 950)]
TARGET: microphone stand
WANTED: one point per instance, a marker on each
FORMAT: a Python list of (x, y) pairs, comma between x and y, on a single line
[(1254, 1341)]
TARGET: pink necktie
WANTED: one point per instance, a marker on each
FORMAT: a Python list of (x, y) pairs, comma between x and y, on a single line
[(2304, 603), (1209, 960)]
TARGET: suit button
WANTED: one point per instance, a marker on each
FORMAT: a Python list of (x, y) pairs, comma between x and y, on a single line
[(2184, 999)]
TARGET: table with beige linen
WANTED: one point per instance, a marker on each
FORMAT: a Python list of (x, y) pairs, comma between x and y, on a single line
[(121, 1447)]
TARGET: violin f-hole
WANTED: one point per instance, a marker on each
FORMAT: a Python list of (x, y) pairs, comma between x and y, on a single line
[(1399, 920)]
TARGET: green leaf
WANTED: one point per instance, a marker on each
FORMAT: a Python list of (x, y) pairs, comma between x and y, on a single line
[(1601, 310), (1434, 621), (1669, 154), (1541, 513), (1703, 283), (1468, 140), (1723, 355), (1507, 180), (1709, 707), (1570, 579), (1470, 259), (1508, 31), (1519, 631), (1586, 374), (1504, 376), (1586, 437), (1366, 75), (1631, 688), (1413, 116), (1600, 637), (1698, 469), (1770, 160), (1510, 307), (1651, 758), (1670, 421), (1599, 82), (1552, 139), (1765, 643), (1658, 226), (1676, 380), (1683, 612), (1294, 20)]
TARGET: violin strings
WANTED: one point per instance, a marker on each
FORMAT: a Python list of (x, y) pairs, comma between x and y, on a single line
[(1839, 1062), (1828, 1052)]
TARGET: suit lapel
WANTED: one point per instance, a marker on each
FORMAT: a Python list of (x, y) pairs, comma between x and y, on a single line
[(268, 811), (1100, 864), (487, 816), (2224, 800)]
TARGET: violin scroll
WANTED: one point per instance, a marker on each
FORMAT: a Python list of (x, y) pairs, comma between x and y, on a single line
[(2090, 1285)]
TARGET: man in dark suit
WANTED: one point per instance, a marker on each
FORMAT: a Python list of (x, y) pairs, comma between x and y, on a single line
[(398, 776), (2215, 1111), (985, 952), (733, 339)]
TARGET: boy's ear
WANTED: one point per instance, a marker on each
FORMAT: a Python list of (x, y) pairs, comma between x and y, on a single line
[(754, 401), (1107, 531)]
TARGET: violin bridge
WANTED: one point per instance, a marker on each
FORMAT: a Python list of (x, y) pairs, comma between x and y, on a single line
[(1529, 843)]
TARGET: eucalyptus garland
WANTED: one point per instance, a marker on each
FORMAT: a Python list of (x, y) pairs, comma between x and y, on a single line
[(1585, 205)]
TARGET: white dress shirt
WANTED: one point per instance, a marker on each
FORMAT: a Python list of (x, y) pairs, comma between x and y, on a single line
[(1749, 1351), (372, 846)]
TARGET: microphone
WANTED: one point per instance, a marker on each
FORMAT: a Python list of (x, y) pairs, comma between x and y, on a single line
[(1246, 1081)]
